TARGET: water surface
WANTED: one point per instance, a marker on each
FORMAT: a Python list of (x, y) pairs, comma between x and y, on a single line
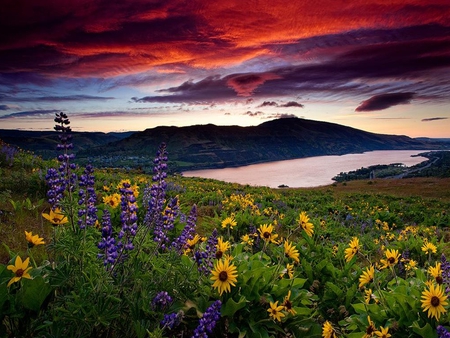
[(306, 172)]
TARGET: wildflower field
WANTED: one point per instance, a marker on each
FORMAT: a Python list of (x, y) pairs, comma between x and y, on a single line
[(92, 252)]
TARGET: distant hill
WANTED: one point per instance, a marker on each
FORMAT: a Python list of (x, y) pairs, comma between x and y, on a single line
[(211, 146), (44, 143)]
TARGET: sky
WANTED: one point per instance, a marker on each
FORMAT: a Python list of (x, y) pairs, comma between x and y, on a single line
[(380, 66)]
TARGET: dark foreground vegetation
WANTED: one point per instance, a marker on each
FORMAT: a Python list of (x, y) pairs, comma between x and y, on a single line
[(114, 253)]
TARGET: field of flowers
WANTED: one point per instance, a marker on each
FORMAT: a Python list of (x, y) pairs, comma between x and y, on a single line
[(106, 253)]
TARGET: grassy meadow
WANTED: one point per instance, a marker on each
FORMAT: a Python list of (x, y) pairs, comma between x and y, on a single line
[(108, 253)]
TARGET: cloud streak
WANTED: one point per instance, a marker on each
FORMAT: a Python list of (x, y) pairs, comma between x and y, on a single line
[(385, 101)]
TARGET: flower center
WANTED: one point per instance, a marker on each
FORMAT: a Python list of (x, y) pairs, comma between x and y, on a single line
[(223, 276), (439, 280), (435, 301), (19, 273), (391, 260), (219, 255), (370, 329), (288, 304), (266, 234)]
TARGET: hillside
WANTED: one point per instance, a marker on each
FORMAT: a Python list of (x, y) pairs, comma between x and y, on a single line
[(211, 146)]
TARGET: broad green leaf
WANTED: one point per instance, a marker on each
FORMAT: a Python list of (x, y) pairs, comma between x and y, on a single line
[(34, 293), (231, 307), (425, 331)]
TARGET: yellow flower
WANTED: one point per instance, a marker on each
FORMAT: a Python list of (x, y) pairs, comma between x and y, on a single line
[(246, 239), (112, 200), (433, 301), (436, 272), (122, 182), (370, 330), (221, 247), (328, 330), (20, 270), (391, 260), (135, 189), (289, 271), (229, 221), (55, 217), (306, 225), (367, 296), (367, 276), (429, 247), (291, 251), (33, 239), (411, 265), (288, 305), (383, 332), (224, 275), (353, 249), (275, 311), (266, 233)]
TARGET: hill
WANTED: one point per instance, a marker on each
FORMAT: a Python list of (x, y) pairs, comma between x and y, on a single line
[(44, 143), (211, 146)]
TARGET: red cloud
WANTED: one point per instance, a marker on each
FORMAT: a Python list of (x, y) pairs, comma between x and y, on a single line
[(245, 85)]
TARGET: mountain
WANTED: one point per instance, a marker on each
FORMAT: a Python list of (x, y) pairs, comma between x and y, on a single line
[(44, 143), (211, 146)]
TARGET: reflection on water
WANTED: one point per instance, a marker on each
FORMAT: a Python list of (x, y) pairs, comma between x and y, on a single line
[(307, 172)]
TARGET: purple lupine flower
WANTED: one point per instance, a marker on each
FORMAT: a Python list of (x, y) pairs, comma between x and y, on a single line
[(205, 259), (128, 216), (62, 179), (208, 321), (442, 332), (108, 242), (88, 212), (188, 232), (162, 300), (9, 152), (155, 195), (401, 262), (172, 320), (445, 268), (166, 223)]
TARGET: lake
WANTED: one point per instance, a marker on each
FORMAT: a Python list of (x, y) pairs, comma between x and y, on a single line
[(306, 172)]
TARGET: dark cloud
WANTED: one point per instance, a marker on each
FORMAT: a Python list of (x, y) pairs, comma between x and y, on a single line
[(268, 104), (245, 85), (61, 98), (384, 101), (256, 113), (33, 113), (292, 104), (434, 119), (282, 116), (4, 107)]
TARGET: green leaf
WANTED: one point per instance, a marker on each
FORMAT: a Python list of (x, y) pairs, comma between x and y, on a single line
[(337, 290), (34, 293), (425, 331), (308, 270), (231, 307)]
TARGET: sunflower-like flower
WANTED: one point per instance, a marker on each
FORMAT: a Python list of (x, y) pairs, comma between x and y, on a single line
[(411, 265), (266, 233), (433, 301), (383, 332), (353, 249), (247, 239), (291, 251), (275, 311), (224, 275), (288, 271), (367, 276), (436, 272), (222, 246), (112, 200), (229, 222), (391, 260), (429, 247), (55, 217), (367, 296), (33, 239), (288, 305), (328, 330), (370, 330), (306, 225), (20, 270)]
